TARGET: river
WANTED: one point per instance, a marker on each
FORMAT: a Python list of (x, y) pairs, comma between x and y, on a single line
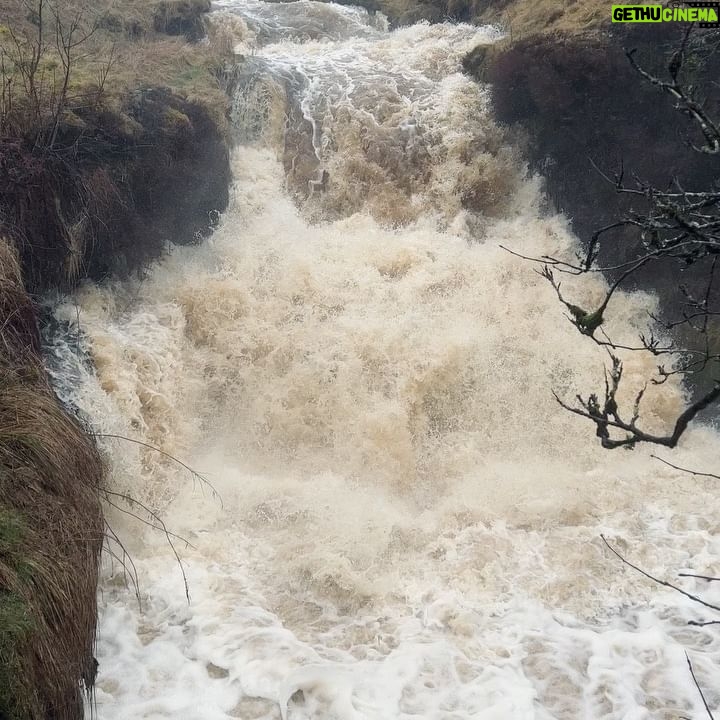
[(403, 523)]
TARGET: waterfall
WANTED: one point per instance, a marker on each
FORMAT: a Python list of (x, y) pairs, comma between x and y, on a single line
[(403, 523)]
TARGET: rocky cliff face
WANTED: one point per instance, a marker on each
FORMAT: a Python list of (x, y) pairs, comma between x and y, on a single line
[(581, 104)]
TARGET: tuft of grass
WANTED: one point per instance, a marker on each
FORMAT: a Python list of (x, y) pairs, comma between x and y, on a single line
[(519, 17), (11, 532), (15, 619), (51, 527), (15, 627), (529, 17)]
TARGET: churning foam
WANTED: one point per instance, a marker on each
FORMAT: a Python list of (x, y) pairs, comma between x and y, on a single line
[(410, 525)]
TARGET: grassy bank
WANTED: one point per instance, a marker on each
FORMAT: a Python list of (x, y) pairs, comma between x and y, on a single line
[(113, 143), (51, 526), (113, 138), (518, 17)]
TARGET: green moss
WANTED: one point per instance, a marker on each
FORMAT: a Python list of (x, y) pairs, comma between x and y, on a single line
[(15, 626), (190, 75), (11, 533), (15, 619), (15, 622)]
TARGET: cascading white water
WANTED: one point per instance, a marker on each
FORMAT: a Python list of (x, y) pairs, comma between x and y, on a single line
[(410, 526)]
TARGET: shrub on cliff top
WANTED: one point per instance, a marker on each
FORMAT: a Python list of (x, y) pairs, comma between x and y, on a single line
[(181, 17)]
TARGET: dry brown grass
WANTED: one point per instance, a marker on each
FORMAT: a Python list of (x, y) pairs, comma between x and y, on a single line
[(527, 17), (518, 17), (142, 41), (51, 527)]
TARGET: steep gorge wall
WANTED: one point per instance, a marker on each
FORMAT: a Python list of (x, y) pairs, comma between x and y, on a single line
[(580, 104), (584, 116), (125, 174), (155, 172), (121, 183)]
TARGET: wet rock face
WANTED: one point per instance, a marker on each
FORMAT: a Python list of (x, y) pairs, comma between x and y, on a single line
[(471, 11), (425, 11), (180, 173), (369, 5)]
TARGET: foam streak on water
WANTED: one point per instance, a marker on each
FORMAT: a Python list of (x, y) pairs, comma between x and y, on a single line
[(410, 525)]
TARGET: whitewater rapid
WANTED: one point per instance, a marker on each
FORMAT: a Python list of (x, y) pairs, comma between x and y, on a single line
[(404, 524)]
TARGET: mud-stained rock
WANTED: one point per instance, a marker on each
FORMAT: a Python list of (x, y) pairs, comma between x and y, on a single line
[(216, 672), (299, 159), (252, 708)]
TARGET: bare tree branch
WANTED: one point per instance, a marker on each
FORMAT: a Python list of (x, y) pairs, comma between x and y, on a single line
[(607, 414), (204, 482), (699, 689), (685, 470), (664, 583)]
